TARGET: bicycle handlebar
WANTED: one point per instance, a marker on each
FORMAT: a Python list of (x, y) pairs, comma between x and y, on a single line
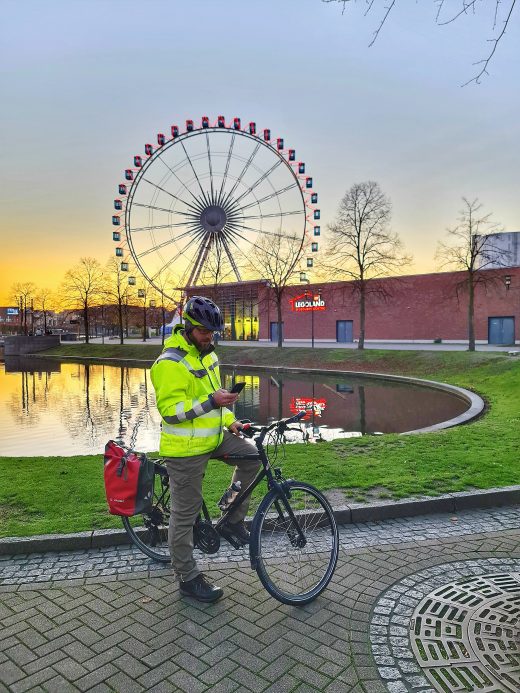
[(281, 426)]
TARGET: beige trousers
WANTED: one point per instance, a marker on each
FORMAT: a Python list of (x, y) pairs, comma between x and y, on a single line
[(186, 475)]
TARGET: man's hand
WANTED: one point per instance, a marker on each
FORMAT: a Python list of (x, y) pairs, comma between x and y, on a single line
[(236, 427), (223, 398)]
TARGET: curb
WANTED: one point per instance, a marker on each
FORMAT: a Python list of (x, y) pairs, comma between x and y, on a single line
[(348, 514)]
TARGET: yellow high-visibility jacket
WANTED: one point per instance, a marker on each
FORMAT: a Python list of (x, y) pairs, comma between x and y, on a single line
[(184, 382)]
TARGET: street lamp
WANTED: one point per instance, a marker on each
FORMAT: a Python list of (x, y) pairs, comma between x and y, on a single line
[(507, 281), (309, 294)]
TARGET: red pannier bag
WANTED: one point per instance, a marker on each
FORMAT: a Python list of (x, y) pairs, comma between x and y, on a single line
[(128, 480)]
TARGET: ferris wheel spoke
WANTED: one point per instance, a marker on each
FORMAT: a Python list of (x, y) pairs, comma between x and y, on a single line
[(200, 259), (210, 169), (161, 226), (164, 244), (258, 181), (164, 209), (231, 258), (155, 185), (179, 254), (195, 174), (274, 214), (226, 169), (244, 170), (170, 169), (232, 234), (261, 231), (277, 193)]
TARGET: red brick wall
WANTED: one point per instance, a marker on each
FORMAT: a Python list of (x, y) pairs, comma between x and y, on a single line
[(424, 306)]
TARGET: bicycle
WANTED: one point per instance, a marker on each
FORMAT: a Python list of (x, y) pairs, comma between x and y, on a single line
[(294, 540)]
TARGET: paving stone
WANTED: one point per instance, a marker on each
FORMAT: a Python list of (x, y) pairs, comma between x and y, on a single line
[(248, 680), (218, 671), (157, 675), (186, 682), (225, 686), (58, 685), (10, 673), (28, 683), (122, 682), (286, 684)]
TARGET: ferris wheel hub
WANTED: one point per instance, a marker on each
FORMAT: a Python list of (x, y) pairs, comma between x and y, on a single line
[(213, 218)]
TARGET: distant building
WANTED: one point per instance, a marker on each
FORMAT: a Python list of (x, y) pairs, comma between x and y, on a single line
[(10, 319), (501, 250)]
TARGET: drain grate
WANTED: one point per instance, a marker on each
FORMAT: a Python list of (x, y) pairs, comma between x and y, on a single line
[(466, 635)]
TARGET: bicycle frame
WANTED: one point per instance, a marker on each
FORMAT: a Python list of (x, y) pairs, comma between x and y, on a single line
[(272, 483)]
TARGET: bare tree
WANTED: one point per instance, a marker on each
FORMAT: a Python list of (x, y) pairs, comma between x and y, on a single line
[(502, 13), (116, 290), (43, 301), (145, 298), (276, 260), (83, 287), (361, 247), (163, 283), (471, 249), (22, 294)]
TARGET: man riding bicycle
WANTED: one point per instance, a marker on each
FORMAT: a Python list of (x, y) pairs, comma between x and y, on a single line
[(194, 412)]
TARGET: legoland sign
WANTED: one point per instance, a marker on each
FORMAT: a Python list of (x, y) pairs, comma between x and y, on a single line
[(306, 302), (308, 405)]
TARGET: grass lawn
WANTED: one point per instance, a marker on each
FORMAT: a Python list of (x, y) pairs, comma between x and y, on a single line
[(65, 494)]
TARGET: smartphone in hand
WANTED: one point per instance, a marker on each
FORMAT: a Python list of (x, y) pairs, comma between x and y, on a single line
[(237, 387)]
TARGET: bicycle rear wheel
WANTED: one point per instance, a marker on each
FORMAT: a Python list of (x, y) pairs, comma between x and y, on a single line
[(295, 558), (149, 531)]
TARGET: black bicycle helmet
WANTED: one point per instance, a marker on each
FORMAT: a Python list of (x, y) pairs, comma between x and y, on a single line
[(202, 312)]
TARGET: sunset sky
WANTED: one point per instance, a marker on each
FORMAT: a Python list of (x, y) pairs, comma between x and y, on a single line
[(85, 83)]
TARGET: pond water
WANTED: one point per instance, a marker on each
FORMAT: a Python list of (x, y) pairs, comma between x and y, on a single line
[(53, 408)]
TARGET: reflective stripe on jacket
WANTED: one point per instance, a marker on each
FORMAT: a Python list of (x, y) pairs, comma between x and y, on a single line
[(183, 382)]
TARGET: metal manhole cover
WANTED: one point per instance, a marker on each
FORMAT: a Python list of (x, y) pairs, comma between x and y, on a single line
[(466, 634)]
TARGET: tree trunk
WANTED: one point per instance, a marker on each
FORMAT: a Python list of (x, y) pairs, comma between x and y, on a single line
[(144, 321), (279, 318), (120, 320), (163, 324), (85, 320), (471, 314), (361, 343)]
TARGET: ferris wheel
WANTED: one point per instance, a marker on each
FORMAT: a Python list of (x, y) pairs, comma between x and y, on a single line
[(201, 203)]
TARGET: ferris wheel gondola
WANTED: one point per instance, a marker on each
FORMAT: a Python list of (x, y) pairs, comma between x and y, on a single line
[(206, 198)]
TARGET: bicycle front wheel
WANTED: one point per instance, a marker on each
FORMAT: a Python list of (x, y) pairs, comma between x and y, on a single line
[(149, 531), (294, 543)]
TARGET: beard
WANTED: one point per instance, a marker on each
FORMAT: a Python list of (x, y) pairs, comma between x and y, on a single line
[(202, 346)]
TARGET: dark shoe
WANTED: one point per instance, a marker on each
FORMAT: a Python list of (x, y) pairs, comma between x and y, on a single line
[(201, 589), (235, 533)]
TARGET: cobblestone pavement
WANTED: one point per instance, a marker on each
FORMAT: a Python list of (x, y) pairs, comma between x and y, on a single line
[(109, 620)]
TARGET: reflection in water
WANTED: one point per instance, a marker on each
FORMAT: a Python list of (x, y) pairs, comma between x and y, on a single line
[(337, 408), (75, 409), (48, 408)]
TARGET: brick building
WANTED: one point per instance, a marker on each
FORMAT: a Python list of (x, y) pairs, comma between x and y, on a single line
[(416, 308)]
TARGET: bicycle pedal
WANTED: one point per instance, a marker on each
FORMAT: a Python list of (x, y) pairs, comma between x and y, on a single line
[(228, 535)]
